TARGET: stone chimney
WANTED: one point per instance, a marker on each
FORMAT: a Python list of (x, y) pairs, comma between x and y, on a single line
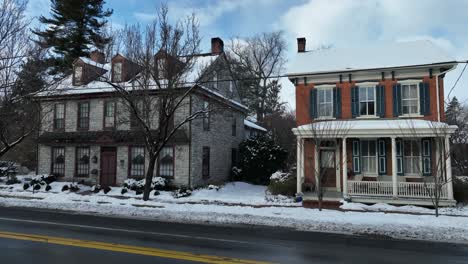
[(217, 46), (97, 56), (301, 44)]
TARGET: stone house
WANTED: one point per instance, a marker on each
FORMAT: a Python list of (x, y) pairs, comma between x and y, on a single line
[(388, 102), (87, 133)]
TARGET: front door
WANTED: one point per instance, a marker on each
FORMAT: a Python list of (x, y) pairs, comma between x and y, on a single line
[(328, 167), (108, 166)]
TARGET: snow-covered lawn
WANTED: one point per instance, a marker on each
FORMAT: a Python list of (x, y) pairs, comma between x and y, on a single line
[(242, 203)]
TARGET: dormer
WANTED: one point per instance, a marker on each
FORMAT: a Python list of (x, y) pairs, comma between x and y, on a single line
[(123, 69), (167, 65), (86, 70)]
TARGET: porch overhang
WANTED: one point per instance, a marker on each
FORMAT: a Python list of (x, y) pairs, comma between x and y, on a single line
[(409, 128)]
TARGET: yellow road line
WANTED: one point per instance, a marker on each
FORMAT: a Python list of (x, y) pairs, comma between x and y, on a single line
[(126, 249)]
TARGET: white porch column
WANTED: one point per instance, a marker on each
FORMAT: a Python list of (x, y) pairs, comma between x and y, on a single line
[(448, 167), (394, 169), (344, 160), (300, 165)]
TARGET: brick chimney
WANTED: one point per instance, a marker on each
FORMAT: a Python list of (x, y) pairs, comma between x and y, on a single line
[(217, 46), (97, 56), (301, 44)]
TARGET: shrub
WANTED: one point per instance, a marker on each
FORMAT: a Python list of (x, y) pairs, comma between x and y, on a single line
[(26, 186), (158, 183), (460, 189), (47, 188), (259, 158), (282, 183), (12, 180), (65, 188), (107, 189), (182, 192), (123, 191), (156, 193), (96, 188)]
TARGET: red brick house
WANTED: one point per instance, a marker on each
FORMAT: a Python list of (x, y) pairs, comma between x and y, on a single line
[(379, 115)]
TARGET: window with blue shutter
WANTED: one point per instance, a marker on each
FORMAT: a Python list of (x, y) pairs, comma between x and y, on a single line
[(337, 102), (356, 156), (426, 157), (313, 103), (399, 157), (396, 99), (382, 157), (355, 101), (380, 97), (424, 100)]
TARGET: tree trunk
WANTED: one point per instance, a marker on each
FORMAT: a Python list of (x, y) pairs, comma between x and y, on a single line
[(149, 178)]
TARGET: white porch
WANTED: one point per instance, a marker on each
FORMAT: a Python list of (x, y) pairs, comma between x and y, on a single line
[(393, 188)]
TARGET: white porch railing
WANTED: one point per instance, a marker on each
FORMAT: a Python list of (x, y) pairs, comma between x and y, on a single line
[(372, 188), (385, 189)]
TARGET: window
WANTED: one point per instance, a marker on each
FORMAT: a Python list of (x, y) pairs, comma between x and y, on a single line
[(137, 162), (327, 159), (206, 162), (83, 115), (59, 116), (206, 116), (82, 161), (166, 162), (58, 161), (234, 127), (367, 101), (215, 80), (231, 86), (410, 99), (78, 75), (369, 156), (162, 62), (411, 156), (117, 72), (109, 114), (325, 102), (134, 123)]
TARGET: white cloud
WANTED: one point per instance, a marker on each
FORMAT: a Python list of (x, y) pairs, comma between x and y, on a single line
[(343, 23)]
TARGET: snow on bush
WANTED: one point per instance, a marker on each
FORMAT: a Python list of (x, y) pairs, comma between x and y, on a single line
[(213, 187), (182, 192), (157, 183), (280, 176)]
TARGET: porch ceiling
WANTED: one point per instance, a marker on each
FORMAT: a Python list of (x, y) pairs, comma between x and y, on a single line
[(374, 128)]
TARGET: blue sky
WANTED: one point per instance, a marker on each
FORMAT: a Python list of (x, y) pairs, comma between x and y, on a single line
[(339, 23)]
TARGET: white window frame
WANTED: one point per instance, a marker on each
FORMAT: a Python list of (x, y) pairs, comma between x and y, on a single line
[(78, 77), (117, 72), (369, 157), (367, 100), (327, 89), (418, 157), (408, 83)]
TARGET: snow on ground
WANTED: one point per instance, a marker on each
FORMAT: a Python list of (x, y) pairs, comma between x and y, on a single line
[(225, 209)]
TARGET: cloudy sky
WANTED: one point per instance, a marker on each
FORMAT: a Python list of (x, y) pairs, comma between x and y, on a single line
[(339, 23)]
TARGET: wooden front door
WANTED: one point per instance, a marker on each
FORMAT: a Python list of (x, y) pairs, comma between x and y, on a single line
[(328, 167), (108, 166)]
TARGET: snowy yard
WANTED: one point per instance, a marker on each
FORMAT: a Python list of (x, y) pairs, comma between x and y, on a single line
[(242, 203)]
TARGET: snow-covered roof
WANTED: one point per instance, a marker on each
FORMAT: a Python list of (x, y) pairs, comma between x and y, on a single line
[(388, 55), (375, 128), (89, 61), (251, 124)]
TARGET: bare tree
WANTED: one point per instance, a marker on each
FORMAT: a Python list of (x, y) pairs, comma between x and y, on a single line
[(15, 122), (164, 55), (259, 62), (324, 136)]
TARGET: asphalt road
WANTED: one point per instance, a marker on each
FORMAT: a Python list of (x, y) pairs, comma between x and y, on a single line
[(38, 236)]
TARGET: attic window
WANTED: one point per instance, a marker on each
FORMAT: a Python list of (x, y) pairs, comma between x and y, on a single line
[(117, 72), (215, 80), (78, 75), (161, 67)]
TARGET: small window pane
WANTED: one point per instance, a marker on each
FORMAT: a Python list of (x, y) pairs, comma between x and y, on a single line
[(58, 161), (166, 162), (82, 162), (137, 162)]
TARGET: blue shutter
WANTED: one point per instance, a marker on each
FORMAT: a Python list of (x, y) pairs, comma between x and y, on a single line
[(356, 156), (399, 157), (382, 156), (426, 156), (424, 100), (337, 102), (396, 100), (313, 103), (380, 98), (355, 101)]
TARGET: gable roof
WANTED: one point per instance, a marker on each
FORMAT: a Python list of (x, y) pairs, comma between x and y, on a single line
[(388, 55)]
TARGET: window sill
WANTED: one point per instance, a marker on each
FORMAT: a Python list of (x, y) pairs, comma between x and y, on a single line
[(367, 117), (410, 115), (325, 118)]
